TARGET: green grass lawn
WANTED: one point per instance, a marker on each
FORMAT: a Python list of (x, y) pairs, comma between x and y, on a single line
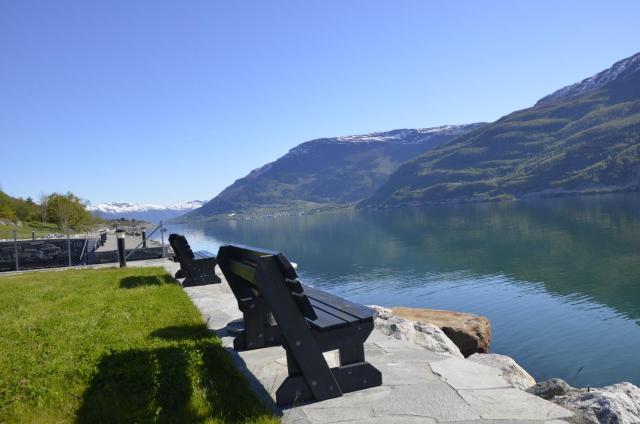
[(24, 231), (111, 345)]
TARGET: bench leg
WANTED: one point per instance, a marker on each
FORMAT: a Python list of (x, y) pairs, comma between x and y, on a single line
[(357, 376), (294, 390), (258, 331), (352, 374), (272, 337), (201, 271), (351, 354)]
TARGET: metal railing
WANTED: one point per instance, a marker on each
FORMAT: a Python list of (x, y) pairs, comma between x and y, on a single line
[(16, 255), (147, 236), (67, 251)]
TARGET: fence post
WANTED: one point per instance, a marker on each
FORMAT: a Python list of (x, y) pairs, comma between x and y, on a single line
[(121, 249), (144, 238), (69, 245), (162, 238), (15, 246)]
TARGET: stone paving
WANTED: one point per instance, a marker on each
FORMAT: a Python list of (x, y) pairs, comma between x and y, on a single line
[(129, 242), (419, 386)]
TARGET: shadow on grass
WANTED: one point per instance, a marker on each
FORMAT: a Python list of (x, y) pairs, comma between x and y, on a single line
[(146, 280), (139, 386), (183, 332), (157, 384)]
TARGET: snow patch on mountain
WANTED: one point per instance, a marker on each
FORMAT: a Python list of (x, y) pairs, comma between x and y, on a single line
[(386, 137), (403, 135), (144, 211), (619, 69), (398, 136), (125, 207)]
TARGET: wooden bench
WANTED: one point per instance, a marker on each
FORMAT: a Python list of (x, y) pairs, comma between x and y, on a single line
[(279, 310), (195, 267)]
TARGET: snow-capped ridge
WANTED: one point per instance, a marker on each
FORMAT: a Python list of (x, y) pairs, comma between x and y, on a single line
[(144, 211), (398, 136), (619, 69), (190, 205), (126, 207), (402, 135)]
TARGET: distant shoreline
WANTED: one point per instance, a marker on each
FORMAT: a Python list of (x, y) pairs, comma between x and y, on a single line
[(540, 195)]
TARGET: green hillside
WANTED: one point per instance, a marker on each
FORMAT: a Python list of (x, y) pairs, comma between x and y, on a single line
[(52, 213), (326, 173), (584, 138)]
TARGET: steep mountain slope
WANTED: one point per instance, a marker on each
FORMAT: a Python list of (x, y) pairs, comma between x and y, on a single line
[(143, 212), (326, 172), (582, 138)]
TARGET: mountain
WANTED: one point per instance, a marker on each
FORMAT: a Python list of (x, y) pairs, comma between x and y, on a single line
[(326, 172), (143, 212), (583, 138)]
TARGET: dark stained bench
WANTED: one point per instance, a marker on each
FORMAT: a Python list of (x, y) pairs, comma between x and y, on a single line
[(195, 267), (279, 310)]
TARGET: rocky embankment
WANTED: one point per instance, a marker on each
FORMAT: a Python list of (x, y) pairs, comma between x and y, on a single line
[(471, 333), (459, 334)]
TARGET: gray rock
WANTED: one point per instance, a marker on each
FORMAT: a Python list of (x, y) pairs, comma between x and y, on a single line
[(510, 371), (422, 334), (550, 388), (618, 404)]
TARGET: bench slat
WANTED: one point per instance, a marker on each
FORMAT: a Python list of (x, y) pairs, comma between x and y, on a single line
[(356, 310), (326, 321), (350, 319)]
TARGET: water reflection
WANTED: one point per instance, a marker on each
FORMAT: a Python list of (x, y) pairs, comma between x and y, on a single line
[(558, 278)]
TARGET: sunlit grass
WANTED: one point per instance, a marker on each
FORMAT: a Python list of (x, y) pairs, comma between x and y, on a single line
[(24, 231), (113, 345)]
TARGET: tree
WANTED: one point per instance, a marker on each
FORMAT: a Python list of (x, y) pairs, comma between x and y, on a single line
[(22, 211), (7, 213), (7, 210), (44, 199), (67, 210)]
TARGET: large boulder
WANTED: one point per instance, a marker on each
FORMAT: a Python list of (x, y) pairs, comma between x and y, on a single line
[(616, 404), (422, 334), (510, 371), (471, 333)]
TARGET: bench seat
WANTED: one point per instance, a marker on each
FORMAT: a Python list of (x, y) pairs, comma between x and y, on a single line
[(333, 311), (278, 310), (195, 267)]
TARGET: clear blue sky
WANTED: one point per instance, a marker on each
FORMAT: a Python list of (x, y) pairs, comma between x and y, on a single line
[(159, 101)]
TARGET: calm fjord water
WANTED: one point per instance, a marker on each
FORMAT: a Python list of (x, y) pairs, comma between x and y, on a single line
[(559, 278)]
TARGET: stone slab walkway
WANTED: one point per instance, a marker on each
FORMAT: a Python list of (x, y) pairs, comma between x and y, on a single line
[(419, 386), (129, 242)]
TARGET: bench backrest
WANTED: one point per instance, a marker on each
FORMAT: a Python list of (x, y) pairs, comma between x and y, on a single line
[(181, 248), (240, 265)]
